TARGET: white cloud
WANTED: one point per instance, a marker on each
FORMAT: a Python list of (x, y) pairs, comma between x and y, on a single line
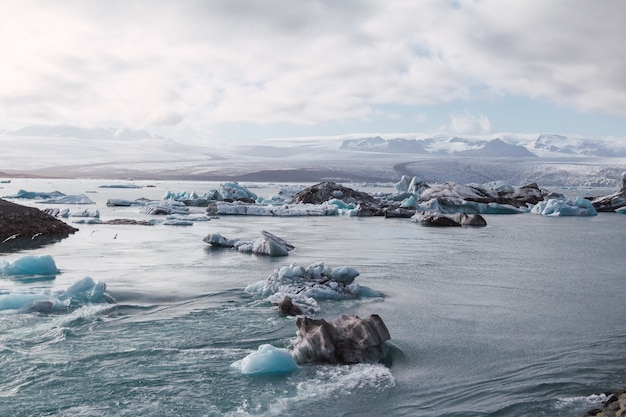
[(468, 124), (194, 64)]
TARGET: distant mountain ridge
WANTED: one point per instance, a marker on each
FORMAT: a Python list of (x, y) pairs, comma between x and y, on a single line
[(507, 147)]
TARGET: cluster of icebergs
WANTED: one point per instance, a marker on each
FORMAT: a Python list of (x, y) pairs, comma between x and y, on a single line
[(82, 292)]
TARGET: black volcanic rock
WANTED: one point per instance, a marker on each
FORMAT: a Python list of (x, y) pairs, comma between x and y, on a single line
[(27, 227)]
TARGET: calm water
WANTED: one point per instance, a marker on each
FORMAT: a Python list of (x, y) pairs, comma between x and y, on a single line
[(522, 318)]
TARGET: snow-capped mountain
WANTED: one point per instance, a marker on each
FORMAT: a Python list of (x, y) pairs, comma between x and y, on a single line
[(547, 159), (509, 146)]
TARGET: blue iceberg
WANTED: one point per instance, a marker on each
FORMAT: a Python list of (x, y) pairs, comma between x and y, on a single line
[(565, 207), (82, 292), (29, 265), (267, 360)]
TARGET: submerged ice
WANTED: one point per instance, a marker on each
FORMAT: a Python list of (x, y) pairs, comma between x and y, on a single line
[(84, 291)]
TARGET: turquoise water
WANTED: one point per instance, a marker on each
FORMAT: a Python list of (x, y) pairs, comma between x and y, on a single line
[(524, 317)]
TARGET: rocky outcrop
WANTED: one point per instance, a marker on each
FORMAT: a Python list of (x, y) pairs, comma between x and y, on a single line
[(614, 406), (324, 191), (28, 227), (345, 340)]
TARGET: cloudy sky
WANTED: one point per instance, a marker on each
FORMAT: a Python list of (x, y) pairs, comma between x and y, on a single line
[(234, 70)]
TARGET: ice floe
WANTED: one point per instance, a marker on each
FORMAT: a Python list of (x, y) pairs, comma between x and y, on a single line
[(268, 244), (84, 291), (29, 265), (305, 285), (565, 207), (267, 360)]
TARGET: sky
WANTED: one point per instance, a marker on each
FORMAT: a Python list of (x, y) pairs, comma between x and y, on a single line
[(229, 71)]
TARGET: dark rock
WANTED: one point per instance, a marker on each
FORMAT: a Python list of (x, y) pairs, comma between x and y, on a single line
[(289, 308), (398, 212), (613, 406), (24, 227), (368, 210), (324, 191), (432, 218), (473, 220), (345, 340)]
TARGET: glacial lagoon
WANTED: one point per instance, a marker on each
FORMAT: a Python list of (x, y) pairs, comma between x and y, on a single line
[(524, 317)]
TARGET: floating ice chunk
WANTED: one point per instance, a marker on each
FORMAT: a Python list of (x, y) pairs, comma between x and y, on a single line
[(267, 244), (86, 213), (284, 210), (17, 301), (84, 291), (621, 210), (70, 199), (36, 195), (234, 191), (29, 265), (217, 240), (177, 223), (344, 274), (267, 360), (306, 285), (120, 186), (164, 207), (113, 202), (189, 218), (565, 207), (450, 206), (409, 202)]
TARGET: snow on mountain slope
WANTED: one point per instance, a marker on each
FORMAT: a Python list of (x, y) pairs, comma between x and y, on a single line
[(67, 151)]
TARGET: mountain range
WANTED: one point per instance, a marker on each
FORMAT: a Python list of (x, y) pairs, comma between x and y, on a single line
[(548, 159)]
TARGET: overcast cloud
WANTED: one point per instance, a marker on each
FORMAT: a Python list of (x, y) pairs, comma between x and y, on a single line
[(188, 67)]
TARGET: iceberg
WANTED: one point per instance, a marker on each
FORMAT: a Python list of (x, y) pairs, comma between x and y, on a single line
[(36, 195), (86, 213), (118, 202), (412, 185), (29, 265), (234, 191), (267, 360), (565, 207), (268, 244), (304, 286), (82, 292), (120, 186), (283, 210), (490, 198), (164, 207), (69, 199)]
